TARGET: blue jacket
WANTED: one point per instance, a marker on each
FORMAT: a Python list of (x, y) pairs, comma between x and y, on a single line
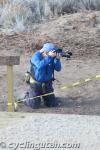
[(43, 68)]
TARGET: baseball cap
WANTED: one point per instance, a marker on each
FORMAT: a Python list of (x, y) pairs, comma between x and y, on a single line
[(48, 47)]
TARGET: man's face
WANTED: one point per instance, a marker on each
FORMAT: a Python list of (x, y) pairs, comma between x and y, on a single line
[(51, 53), (45, 53)]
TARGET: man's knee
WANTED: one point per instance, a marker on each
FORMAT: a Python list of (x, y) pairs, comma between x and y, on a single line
[(33, 103), (30, 101), (50, 101)]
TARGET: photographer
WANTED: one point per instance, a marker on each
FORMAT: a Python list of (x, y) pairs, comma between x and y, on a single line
[(43, 64)]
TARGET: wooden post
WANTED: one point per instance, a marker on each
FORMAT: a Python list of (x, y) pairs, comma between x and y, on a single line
[(10, 61), (10, 88)]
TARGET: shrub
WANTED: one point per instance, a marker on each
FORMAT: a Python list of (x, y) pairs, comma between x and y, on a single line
[(20, 14)]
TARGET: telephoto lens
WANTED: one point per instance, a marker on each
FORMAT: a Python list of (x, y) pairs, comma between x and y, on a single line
[(70, 53)]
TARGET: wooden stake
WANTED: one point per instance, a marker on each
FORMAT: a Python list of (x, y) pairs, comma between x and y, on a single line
[(10, 88), (9, 61)]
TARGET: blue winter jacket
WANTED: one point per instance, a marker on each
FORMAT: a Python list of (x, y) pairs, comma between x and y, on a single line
[(43, 67)]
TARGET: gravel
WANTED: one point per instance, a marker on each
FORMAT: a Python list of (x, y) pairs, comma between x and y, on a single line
[(77, 131)]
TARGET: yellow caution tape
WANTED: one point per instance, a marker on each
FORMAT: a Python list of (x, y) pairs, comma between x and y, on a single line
[(9, 104), (87, 80), (78, 83), (62, 88), (75, 84), (15, 105), (98, 76)]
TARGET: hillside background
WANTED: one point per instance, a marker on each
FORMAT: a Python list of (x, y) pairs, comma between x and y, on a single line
[(22, 15), (25, 25), (72, 24)]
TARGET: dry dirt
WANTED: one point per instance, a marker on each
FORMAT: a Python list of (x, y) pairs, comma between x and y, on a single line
[(77, 33)]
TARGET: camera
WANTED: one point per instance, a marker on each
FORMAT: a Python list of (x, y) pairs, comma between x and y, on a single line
[(62, 53)]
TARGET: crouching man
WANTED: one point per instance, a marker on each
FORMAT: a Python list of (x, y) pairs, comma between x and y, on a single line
[(43, 64)]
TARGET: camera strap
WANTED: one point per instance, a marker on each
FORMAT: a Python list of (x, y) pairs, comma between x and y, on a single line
[(53, 74)]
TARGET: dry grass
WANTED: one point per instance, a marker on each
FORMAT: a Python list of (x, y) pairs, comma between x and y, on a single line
[(20, 15), (3, 2)]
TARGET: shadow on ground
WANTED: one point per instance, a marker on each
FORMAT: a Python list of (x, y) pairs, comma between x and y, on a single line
[(69, 105)]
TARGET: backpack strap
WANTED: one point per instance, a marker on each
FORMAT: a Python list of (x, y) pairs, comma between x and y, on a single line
[(32, 70), (53, 75)]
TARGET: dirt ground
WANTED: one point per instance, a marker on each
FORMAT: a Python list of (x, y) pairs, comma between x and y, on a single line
[(84, 99), (74, 33)]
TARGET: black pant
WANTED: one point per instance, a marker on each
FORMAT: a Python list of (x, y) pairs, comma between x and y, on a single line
[(37, 89)]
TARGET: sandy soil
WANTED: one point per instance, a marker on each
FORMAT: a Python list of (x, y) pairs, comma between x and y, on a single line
[(73, 32)]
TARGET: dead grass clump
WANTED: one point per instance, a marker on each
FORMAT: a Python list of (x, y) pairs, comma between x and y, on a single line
[(21, 15)]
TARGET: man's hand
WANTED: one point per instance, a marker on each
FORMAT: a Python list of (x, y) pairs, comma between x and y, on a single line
[(52, 54), (58, 56)]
